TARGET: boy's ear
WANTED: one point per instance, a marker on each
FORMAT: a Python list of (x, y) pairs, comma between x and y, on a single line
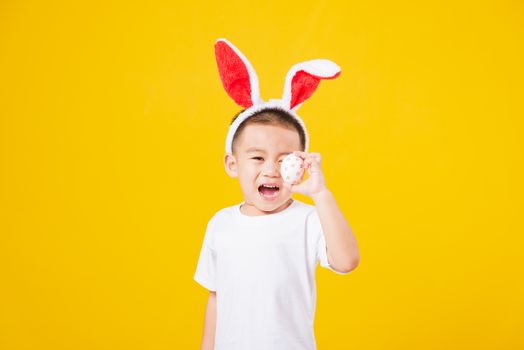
[(230, 163)]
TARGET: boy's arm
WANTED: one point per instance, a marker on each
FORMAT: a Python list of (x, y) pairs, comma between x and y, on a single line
[(342, 249), (208, 338)]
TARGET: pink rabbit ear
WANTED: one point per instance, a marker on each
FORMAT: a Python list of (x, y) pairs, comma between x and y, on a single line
[(238, 76), (303, 78)]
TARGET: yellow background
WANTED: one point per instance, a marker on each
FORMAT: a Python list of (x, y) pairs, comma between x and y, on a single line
[(112, 128)]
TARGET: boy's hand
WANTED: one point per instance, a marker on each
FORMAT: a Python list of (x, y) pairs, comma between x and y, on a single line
[(315, 182)]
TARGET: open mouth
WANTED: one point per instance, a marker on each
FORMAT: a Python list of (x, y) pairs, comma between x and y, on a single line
[(268, 191)]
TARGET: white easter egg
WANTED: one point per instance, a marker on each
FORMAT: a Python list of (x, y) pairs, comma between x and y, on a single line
[(291, 169)]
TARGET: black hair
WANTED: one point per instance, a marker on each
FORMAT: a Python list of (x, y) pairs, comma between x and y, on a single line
[(270, 116)]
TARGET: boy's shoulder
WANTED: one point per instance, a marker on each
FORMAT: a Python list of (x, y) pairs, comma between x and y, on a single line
[(226, 211)]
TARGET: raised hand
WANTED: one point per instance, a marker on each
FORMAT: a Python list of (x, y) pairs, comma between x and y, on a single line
[(315, 182)]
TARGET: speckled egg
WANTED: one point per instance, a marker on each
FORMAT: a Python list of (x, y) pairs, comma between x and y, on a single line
[(291, 169)]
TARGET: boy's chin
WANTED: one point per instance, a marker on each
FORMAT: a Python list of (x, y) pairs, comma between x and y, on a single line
[(271, 205)]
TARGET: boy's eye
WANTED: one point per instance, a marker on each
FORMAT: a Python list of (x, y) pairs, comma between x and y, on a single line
[(260, 158)]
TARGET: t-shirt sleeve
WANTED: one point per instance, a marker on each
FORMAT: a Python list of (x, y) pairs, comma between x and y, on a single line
[(206, 269), (320, 247)]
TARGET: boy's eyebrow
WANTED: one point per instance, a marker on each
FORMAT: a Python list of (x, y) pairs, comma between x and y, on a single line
[(254, 149)]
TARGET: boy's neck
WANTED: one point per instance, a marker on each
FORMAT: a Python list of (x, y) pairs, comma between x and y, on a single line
[(245, 209)]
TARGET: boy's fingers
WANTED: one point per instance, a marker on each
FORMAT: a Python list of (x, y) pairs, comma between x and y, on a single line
[(307, 156), (316, 156), (301, 154), (315, 165)]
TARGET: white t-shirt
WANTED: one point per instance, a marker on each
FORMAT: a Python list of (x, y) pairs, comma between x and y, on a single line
[(263, 271)]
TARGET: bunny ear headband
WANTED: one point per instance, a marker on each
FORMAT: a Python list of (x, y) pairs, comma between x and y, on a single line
[(241, 83)]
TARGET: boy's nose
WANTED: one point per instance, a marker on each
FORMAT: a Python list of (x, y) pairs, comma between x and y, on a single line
[(272, 169)]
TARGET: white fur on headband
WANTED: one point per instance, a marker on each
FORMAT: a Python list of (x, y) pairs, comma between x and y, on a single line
[(241, 83)]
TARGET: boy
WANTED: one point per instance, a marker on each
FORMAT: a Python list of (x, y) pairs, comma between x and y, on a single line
[(258, 257)]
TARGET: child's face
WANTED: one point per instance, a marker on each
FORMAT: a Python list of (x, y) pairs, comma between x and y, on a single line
[(259, 153)]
